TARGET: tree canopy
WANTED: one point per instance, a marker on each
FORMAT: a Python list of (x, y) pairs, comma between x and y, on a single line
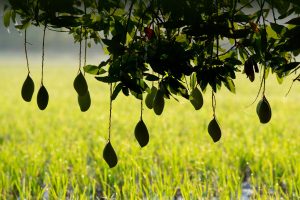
[(168, 48)]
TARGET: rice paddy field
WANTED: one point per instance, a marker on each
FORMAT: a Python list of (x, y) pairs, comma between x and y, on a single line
[(57, 153)]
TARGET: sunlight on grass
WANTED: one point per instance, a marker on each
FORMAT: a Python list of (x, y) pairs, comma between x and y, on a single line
[(58, 152)]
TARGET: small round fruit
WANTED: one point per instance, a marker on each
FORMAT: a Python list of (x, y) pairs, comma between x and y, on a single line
[(264, 110), (110, 155), (42, 98), (27, 89), (141, 133), (214, 130)]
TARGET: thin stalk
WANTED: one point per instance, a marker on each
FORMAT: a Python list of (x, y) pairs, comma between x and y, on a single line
[(85, 40), (141, 117), (264, 82), (213, 103), (110, 111), (43, 54), (273, 13), (26, 55), (262, 86), (80, 46)]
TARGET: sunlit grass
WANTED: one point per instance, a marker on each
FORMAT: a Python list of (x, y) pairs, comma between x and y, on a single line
[(59, 151)]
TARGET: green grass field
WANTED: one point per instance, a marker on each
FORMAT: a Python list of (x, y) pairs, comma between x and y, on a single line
[(57, 153)]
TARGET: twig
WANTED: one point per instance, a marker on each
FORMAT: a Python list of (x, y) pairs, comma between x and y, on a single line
[(213, 103), (43, 53), (110, 111), (26, 55)]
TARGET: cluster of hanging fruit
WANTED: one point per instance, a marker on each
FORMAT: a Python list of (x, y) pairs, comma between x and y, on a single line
[(263, 108), (28, 90), (154, 100), (28, 85), (81, 87)]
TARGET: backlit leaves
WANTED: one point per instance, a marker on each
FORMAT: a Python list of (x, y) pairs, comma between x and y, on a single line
[(196, 98), (159, 102), (6, 17), (176, 46)]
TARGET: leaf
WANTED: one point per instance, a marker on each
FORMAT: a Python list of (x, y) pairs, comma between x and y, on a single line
[(193, 81), (294, 21), (42, 98), (141, 133), (241, 18), (151, 77), (84, 102), (159, 102), (93, 69), (196, 98), (119, 28), (249, 70), (116, 91), (27, 89), (279, 29), (132, 84), (25, 24), (110, 155), (139, 96), (107, 79), (279, 78), (150, 97), (229, 84), (80, 84), (264, 41), (6, 17), (289, 66), (125, 91)]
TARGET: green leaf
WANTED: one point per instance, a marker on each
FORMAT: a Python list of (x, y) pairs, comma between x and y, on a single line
[(6, 17), (241, 18), (159, 102), (279, 78), (279, 29), (150, 97), (139, 96), (107, 79), (94, 70), (196, 98), (264, 41), (193, 81), (289, 66), (229, 84), (116, 91), (119, 28), (25, 24), (294, 21), (151, 77)]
